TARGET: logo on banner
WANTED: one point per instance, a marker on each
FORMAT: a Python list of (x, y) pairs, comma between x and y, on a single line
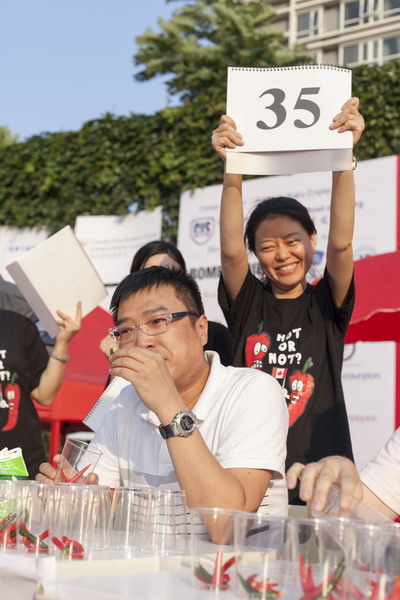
[(202, 230), (364, 252)]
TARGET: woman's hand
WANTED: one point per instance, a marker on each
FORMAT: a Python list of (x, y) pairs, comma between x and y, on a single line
[(225, 136), (69, 326), (349, 120)]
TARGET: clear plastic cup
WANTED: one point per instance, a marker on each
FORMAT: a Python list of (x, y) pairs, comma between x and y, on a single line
[(374, 562), (357, 510), (321, 558), (78, 460), (264, 550), (213, 553)]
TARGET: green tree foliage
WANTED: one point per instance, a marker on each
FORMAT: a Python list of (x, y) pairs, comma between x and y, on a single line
[(379, 91), (203, 38), (6, 137)]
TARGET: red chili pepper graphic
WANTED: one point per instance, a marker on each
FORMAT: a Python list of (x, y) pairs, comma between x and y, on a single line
[(301, 387), (256, 348), (13, 395)]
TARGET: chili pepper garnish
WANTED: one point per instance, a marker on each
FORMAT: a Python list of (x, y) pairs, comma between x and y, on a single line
[(69, 548), (32, 538), (7, 520), (261, 588), (395, 593), (74, 477), (45, 534), (64, 477), (78, 475), (57, 542), (219, 578), (321, 591)]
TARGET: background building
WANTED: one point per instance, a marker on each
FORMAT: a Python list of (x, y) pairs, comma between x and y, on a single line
[(344, 32)]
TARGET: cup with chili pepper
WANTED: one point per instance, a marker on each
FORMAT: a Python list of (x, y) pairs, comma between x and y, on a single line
[(321, 558), (264, 549), (82, 515), (213, 554), (374, 562), (8, 515), (78, 459), (29, 531)]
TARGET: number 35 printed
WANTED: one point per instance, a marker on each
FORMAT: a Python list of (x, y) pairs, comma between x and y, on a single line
[(302, 103)]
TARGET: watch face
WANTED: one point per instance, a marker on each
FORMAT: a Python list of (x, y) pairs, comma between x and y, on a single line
[(186, 423)]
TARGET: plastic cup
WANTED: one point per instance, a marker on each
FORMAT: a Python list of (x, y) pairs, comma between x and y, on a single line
[(148, 520), (374, 561), (264, 550), (213, 553), (357, 510), (76, 518), (321, 557), (78, 460), (32, 534)]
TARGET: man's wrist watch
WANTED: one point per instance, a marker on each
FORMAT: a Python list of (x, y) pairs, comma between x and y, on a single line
[(182, 425)]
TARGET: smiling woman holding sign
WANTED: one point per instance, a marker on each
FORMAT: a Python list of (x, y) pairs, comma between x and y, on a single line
[(284, 326)]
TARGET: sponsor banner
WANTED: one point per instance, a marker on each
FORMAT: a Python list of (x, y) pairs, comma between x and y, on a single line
[(15, 242), (369, 383), (111, 241), (375, 233)]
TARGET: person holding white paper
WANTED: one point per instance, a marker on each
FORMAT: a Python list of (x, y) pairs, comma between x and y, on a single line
[(284, 326), (26, 370)]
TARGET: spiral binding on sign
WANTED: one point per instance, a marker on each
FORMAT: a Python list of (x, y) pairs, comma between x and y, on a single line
[(293, 68)]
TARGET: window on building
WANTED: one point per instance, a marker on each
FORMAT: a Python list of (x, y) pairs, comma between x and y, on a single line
[(307, 24), (350, 55), (360, 12), (391, 49), (391, 8)]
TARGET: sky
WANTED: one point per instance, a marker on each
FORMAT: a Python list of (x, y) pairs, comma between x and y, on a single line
[(64, 62)]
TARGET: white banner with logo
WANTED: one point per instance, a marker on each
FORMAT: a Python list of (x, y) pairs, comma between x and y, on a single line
[(15, 242), (375, 233), (111, 241)]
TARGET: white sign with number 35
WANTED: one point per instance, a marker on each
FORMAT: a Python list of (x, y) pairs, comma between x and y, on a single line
[(288, 109)]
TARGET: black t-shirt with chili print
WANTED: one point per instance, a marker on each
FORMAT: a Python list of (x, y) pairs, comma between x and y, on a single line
[(23, 358), (300, 342)]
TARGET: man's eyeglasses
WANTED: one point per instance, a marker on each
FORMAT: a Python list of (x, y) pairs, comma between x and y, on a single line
[(154, 326)]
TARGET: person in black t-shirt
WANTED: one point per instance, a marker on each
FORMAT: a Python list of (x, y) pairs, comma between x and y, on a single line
[(27, 370), (166, 254), (284, 326)]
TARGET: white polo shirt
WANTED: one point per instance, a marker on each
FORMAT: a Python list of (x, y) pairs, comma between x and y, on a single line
[(382, 474), (243, 420)]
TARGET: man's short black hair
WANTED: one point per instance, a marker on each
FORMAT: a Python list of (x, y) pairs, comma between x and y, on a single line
[(186, 288)]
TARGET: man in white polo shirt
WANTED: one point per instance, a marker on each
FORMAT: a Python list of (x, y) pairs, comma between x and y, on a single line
[(217, 432)]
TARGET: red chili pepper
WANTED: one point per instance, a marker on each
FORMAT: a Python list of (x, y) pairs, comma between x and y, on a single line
[(57, 543), (7, 520), (302, 386), (395, 593), (13, 395), (45, 534), (256, 347), (217, 576), (78, 475), (64, 477)]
